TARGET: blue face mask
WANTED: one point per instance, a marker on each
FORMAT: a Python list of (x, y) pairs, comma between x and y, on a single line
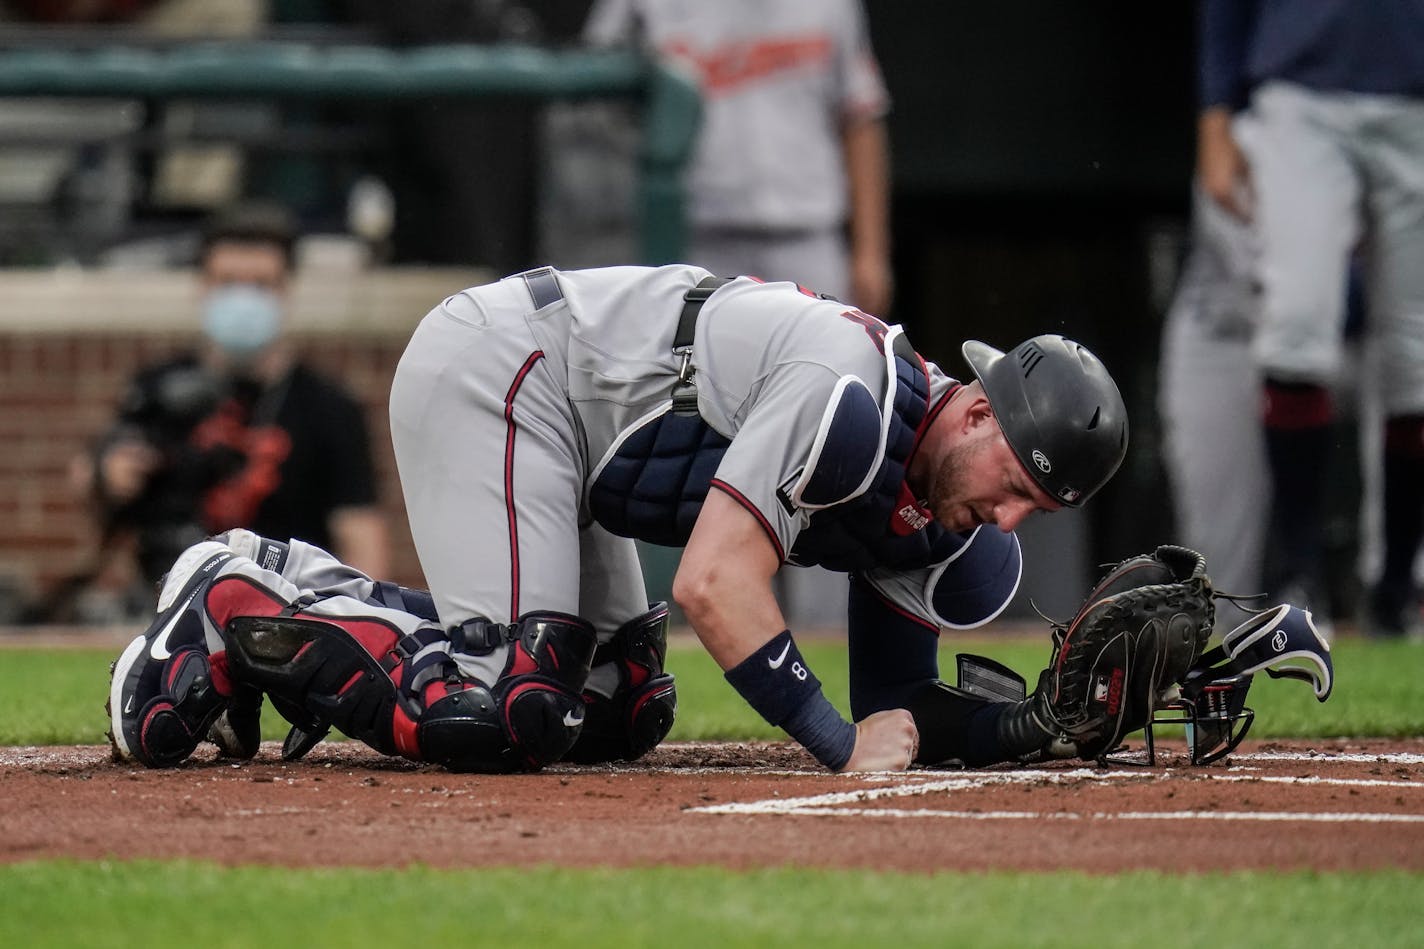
[(242, 319)]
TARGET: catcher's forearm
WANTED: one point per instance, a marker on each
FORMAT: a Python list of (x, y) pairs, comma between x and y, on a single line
[(724, 586), (776, 681)]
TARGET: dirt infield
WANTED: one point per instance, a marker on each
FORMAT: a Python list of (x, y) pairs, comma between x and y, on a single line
[(1319, 805)]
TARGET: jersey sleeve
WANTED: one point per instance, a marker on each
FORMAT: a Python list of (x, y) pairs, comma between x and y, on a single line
[(771, 448), (1224, 29)]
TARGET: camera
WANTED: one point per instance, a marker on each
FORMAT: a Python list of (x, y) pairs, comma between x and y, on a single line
[(163, 411)]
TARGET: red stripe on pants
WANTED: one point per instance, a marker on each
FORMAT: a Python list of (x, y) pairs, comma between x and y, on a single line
[(510, 430)]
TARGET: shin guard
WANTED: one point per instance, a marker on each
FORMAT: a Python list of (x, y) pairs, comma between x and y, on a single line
[(404, 694), (319, 674), (640, 713), (533, 714)]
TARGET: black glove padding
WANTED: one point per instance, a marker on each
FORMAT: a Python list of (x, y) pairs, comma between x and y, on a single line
[(1135, 636)]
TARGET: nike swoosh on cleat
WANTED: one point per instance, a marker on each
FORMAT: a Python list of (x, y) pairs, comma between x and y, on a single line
[(776, 663), (128, 706), (159, 649), (571, 720)]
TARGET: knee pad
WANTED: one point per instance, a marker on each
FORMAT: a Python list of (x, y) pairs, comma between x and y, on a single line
[(555, 645), (521, 724), (628, 725), (533, 713), (640, 713)]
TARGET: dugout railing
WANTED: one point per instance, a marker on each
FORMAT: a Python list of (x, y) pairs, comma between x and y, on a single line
[(669, 101)]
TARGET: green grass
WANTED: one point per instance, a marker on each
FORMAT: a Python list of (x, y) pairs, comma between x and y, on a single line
[(193, 904), (56, 696)]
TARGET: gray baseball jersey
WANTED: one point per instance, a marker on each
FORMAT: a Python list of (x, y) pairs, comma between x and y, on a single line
[(778, 80), (513, 400)]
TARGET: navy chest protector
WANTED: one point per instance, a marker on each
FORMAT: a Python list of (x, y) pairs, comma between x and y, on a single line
[(652, 482), (656, 476)]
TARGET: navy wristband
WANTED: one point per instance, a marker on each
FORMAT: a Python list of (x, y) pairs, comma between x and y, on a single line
[(776, 681)]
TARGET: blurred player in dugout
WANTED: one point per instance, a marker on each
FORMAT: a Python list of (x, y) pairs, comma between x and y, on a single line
[(236, 433), (790, 178)]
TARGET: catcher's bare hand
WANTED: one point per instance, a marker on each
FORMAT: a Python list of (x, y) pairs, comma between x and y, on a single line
[(885, 741)]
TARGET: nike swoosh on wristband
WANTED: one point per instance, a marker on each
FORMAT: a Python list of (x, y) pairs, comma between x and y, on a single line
[(776, 663), (571, 720), (159, 649)]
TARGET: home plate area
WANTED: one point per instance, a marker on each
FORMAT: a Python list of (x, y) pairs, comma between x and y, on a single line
[(1318, 805), (1272, 806)]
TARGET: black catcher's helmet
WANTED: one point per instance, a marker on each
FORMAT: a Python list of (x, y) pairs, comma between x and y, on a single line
[(1060, 411)]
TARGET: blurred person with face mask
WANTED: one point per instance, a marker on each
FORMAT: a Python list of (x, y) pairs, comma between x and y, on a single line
[(238, 432)]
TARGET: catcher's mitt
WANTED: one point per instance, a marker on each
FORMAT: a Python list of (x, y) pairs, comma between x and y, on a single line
[(1135, 637)]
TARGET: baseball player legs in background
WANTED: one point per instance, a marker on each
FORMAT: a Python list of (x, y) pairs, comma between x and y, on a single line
[(1215, 451), (1332, 159)]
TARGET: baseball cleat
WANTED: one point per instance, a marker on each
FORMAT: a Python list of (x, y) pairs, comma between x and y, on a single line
[(161, 696)]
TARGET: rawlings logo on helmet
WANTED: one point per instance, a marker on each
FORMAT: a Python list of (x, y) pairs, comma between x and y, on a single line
[(1058, 409)]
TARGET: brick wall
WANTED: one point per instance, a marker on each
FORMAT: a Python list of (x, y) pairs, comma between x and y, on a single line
[(63, 367), (57, 393)]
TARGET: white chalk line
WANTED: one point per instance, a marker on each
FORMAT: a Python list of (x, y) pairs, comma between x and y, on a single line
[(1324, 756), (833, 803), (1316, 780), (1243, 816), (974, 781), (1237, 758)]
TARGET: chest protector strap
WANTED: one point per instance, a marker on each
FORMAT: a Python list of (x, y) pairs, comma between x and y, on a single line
[(654, 478), (684, 391)]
